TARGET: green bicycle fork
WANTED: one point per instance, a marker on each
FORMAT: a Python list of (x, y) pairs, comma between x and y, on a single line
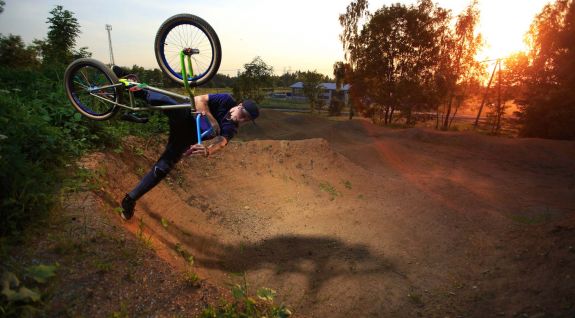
[(183, 58)]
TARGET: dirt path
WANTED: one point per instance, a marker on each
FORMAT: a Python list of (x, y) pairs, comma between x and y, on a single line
[(346, 219)]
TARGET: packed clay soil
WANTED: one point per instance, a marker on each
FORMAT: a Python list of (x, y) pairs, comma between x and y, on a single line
[(347, 219)]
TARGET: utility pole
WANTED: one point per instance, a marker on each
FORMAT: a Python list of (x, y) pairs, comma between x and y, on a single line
[(485, 94), (109, 28)]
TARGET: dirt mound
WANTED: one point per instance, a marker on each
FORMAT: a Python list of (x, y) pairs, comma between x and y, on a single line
[(359, 220)]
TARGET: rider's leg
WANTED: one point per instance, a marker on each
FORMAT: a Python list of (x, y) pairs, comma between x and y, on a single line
[(161, 168), (157, 99), (152, 98), (182, 136)]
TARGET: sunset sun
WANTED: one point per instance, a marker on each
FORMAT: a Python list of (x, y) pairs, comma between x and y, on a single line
[(503, 26)]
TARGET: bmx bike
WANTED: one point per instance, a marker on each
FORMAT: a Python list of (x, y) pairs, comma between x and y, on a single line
[(187, 50)]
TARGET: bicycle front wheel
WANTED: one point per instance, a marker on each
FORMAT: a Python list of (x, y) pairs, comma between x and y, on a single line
[(90, 86), (187, 31)]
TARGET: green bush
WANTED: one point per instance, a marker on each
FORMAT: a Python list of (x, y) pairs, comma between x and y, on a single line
[(41, 135), (247, 306)]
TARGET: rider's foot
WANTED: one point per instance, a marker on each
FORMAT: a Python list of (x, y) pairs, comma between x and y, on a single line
[(122, 73), (128, 205), (133, 117)]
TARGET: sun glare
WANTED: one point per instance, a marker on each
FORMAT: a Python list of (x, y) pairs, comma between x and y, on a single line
[(504, 24)]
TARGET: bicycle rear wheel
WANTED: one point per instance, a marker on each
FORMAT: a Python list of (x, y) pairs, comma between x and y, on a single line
[(89, 88), (187, 31)]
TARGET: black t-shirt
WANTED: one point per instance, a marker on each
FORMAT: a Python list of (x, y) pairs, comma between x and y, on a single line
[(220, 105)]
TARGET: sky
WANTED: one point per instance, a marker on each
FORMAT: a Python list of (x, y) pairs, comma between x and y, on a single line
[(288, 35)]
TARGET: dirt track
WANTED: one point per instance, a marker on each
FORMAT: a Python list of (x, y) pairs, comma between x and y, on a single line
[(347, 219)]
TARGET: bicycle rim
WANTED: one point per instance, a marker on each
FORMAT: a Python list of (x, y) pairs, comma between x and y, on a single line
[(181, 35), (88, 88)]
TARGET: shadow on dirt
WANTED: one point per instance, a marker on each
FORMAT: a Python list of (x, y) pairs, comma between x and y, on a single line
[(318, 258)]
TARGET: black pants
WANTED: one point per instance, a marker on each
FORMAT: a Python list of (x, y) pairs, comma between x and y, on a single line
[(182, 136)]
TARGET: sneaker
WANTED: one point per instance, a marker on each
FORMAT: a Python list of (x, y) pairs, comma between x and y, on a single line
[(122, 73), (128, 205), (133, 117)]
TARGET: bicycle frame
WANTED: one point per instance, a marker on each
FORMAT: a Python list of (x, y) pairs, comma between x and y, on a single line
[(188, 100), (132, 106)]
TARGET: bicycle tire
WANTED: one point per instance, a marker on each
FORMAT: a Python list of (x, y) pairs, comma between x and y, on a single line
[(82, 79), (188, 31)]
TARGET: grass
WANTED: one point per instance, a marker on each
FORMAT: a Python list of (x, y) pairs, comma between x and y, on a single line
[(531, 220), (141, 235), (284, 103), (330, 189), (122, 313), (415, 299), (261, 304), (347, 184), (266, 103)]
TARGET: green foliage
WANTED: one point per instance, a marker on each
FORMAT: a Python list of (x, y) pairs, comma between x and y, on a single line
[(39, 137), (41, 273), (14, 53), (311, 81), (165, 223), (407, 57), (122, 313), (22, 298), (330, 189), (548, 101), (245, 306), (347, 184), (338, 98), (252, 79), (40, 134), (191, 278), (63, 31)]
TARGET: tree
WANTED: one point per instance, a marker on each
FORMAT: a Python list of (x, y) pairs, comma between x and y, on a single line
[(338, 98), (13, 52), (394, 56), (2, 4), (255, 76), (286, 79), (548, 99), (349, 37), (63, 31), (460, 68), (311, 81)]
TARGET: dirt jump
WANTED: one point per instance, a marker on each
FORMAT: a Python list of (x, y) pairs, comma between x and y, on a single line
[(348, 219)]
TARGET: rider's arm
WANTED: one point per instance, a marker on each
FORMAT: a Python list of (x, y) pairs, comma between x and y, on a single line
[(215, 144), (201, 103)]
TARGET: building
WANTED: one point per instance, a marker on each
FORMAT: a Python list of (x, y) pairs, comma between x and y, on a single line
[(328, 90)]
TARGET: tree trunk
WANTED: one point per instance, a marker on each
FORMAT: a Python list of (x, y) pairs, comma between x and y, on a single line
[(455, 112), (446, 119), (499, 106), (350, 111), (437, 116), (386, 115)]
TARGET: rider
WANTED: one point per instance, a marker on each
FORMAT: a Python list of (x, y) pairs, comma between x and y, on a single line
[(222, 111)]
